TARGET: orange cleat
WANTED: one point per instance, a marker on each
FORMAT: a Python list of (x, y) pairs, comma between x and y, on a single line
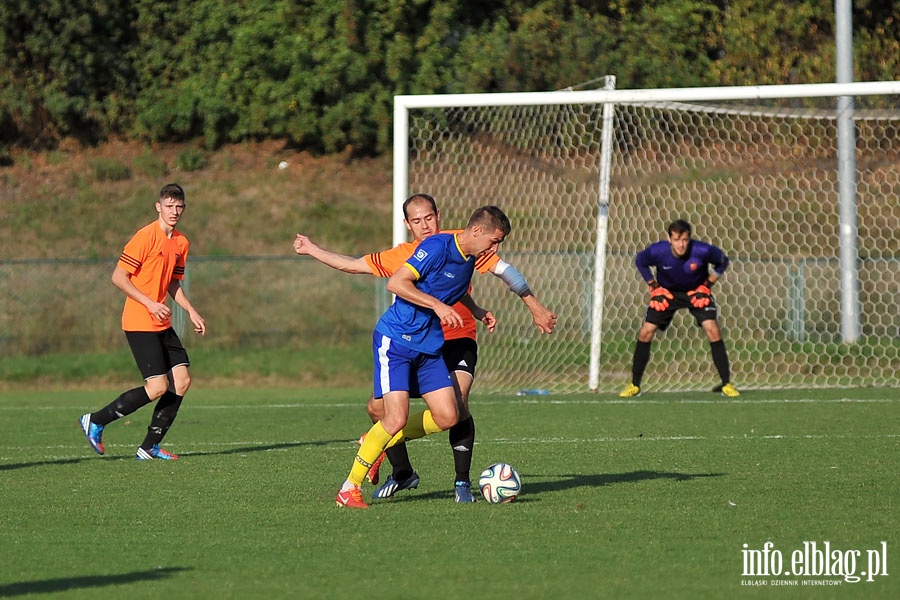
[(351, 498)]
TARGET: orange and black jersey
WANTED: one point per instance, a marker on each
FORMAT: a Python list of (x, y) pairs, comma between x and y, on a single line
[(153, 260)]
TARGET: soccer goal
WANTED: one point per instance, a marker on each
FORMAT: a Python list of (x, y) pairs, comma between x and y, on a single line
[(588, 178)]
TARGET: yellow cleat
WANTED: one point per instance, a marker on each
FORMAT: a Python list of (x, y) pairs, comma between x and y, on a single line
[(631, 391), (730, 391)]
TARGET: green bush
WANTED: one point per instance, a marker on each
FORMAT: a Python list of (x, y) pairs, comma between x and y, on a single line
[(109, 169), (322, 74), (190, 159), (150, 165)]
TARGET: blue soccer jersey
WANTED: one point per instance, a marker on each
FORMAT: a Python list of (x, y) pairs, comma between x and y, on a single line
[(680, 274), (442, 270)]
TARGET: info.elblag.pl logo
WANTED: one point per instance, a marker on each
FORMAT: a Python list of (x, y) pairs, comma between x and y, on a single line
[(812, 560)]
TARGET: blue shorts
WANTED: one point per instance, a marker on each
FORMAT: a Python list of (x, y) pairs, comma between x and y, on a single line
[(401, 369)]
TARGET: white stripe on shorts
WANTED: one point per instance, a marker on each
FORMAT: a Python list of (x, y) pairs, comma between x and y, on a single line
[(384, 372)]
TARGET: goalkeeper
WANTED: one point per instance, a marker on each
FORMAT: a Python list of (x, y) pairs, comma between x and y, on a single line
[(678, 274)]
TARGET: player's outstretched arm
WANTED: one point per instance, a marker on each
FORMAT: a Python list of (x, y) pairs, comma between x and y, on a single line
[(341, 262), (482, 314), (544, 319)]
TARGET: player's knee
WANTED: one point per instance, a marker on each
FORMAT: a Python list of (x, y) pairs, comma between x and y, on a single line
[(462, 408), (156, 387), (712, 331), (645, 333), (445, 419), (182, 385), (375, 408), (393, 424)]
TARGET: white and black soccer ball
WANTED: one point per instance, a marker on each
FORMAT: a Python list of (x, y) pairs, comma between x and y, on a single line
[(500, 483)]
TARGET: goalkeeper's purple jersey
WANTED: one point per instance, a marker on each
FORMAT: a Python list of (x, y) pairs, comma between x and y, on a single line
[(680, 274)]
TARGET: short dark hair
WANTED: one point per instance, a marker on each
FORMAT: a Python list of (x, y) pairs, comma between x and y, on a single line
[(173, 191), (679, 226), (419, 198), (491, 218)]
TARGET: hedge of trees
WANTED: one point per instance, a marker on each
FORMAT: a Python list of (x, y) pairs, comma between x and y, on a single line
[(322, 73)]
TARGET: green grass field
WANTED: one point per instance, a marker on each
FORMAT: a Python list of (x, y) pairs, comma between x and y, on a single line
[(650, 498)]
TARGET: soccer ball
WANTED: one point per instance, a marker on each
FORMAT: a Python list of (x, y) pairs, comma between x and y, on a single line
[(500, 483)]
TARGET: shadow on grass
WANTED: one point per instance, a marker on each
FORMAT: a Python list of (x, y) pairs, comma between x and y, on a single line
[(565, 482), (265, 448), (63, 584), (558, 483), (107, 457)]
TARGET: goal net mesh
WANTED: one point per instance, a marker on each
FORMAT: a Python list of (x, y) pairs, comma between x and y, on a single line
[(761, 182)]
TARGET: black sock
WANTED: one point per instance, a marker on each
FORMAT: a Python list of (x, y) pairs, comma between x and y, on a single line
[(125, 404), (399, 459), (639, 363), (720, 360), (163, 417), (462, 440)]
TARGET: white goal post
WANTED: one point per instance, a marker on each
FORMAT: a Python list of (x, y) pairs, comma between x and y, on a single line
[(590, 177)]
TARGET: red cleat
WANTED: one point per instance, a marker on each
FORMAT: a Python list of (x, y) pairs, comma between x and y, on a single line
[(372, 475), (351, 498)]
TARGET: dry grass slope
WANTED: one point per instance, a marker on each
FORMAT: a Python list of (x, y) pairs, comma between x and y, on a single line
[(85, 202)]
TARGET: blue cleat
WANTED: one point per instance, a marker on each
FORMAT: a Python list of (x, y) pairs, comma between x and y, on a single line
[(93, 433), (155, 452), (392, 486), (464, 492)]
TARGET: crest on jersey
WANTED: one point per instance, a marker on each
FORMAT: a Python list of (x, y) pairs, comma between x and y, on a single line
[(421, 254)]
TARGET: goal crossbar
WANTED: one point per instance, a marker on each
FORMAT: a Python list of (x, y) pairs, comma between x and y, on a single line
[(650, 99)]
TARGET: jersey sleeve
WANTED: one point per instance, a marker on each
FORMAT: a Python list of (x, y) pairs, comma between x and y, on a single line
[(427, 257), (386, 262), (643, 261), (135, 252), (486, 262), (718, 259), (181, 258)]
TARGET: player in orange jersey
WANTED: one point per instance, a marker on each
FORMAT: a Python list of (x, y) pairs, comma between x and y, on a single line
[(151, 267), (460, 350)]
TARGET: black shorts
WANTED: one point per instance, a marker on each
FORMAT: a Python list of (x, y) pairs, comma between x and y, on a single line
[(157, 352), (461, 355), (662, 319)]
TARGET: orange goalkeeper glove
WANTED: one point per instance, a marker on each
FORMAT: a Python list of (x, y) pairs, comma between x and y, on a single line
[(702, 296), (659, 297)]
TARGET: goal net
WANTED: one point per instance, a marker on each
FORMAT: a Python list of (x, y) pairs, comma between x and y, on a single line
[(754, 170)]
